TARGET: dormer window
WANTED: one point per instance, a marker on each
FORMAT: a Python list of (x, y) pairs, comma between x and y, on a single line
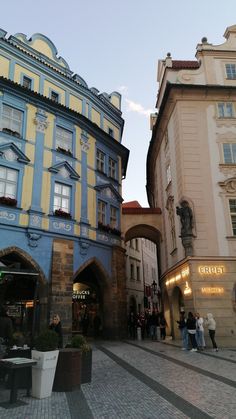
[(231, 71), (54, 96), (27, 82), (111, 132)]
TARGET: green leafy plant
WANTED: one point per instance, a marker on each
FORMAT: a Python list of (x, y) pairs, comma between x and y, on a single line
[(80, 342), (46, 341)]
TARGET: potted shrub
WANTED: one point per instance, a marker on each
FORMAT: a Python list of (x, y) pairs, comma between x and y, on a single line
[(46, 354), (80, 342)]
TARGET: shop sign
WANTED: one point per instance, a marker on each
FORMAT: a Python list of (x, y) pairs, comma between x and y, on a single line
[(183, 274), (211, 270), (212, 290), (80, 295)]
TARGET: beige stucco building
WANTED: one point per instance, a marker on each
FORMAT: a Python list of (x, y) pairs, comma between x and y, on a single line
[(191, 164)]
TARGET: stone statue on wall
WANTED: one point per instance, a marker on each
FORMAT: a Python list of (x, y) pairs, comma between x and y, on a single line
[(186, 218)]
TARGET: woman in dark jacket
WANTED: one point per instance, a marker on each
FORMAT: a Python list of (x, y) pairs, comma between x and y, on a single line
[(191, 327), (56, 326)]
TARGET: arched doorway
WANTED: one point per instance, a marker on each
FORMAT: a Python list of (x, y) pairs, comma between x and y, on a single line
[(90, 300), (177, 306), (132, 305), (23, 291)]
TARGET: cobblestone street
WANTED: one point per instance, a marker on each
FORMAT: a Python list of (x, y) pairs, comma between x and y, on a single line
[(144, 380)]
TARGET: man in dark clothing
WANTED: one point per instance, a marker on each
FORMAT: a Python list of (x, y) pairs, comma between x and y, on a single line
[(6, 329)]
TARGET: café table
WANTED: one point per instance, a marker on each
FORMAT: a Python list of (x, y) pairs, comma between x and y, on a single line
[(15, 365)]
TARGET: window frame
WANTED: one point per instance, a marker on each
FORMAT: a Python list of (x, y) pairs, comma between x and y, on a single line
[(100, 163), (232, 153), (230, 69), (222, 110), (6, 182), (56, 94), (232, 214), (27, 79), (18, 134), (58, 182), (57, 140), (112, 168), (113, 218), (102, 212)]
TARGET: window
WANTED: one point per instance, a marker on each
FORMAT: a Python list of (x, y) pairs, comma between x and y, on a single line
[(12, 120), (62, 194), (100, 161), (229, 150), (112, 168), (102, 212), (225, 110), (136, 244), (111, 132), (230, 71), (27, 82), (113, 217), (63, 139), (138, 273), (131, 271), (168, 174), (232, 208), (8, 182), (54, 96)]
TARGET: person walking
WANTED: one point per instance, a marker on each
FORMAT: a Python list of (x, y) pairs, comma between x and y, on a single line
[(211, 323), (200, 332), (154, 322), (163, 326), (191, 326), (56, 326), (182, 322)]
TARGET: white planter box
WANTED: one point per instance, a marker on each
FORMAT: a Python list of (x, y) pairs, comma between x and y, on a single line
[(43, 373)]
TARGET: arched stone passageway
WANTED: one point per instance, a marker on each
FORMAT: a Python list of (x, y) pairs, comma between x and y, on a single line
[(91, 298), (23, 291)]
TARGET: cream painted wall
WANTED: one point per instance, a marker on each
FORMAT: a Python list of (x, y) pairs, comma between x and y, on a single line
[(4, 66), (19, 70)]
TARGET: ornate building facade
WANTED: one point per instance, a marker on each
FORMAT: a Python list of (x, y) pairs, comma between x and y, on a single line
[(191, 169), (61, 167)]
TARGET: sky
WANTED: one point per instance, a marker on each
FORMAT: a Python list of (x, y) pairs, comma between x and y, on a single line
[(115, 45)]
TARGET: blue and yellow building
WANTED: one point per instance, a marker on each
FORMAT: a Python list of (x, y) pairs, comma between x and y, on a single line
[(61, 168)]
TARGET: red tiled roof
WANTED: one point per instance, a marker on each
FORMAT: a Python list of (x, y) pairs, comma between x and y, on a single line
[(131, 204), (181, 64)]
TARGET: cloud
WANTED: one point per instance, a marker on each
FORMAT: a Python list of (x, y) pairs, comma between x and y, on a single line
[(138, 108), (123, 89)]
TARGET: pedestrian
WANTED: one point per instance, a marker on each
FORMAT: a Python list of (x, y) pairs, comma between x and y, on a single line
[(56, 326), (163, 326), (191, 326), (182, 322), (6, 330), (211, 323), (132, 325), (153, 322), (200, 332)]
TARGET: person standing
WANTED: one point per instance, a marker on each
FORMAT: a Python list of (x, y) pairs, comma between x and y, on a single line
[(191, 326), (182, 322), (200, 332), (163, 326), (211, 323), (56, 326), (154, 322), (6, 329)]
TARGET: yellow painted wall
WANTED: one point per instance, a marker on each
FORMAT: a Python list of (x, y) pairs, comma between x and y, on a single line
[(92, 235), (91, 177), (31, 127), (44, 48), (27, 187), (23, 219), (45, 224), (29, 151), (48, 136), (49, 85), (115, 101), (4, 66), (77, 230), (78, 145), (46, 189), (92, 207), (96, 117), (19, 69), (91, 152), (108, 124), (75, 103), (47, 159), (86, 110)]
